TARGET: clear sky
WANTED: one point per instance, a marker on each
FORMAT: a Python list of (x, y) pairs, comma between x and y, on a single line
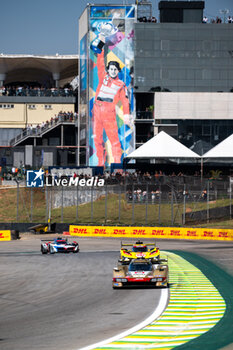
[(47, 27)]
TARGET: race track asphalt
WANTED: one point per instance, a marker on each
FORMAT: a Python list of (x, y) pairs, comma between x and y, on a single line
[(66, 301)]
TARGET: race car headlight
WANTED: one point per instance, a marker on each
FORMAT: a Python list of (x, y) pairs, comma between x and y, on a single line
[(156, 279), (121, 280)]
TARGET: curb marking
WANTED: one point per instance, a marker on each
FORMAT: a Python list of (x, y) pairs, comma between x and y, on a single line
[(194, 308)]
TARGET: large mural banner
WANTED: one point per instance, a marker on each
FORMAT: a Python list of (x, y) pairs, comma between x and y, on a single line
[(111, 103)]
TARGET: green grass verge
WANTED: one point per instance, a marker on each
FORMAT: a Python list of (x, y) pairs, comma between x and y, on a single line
[(115, 211), (221, 334)]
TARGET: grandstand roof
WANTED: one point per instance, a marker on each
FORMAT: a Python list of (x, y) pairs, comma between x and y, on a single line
[(163, 146), (223, 150), (35, 68)]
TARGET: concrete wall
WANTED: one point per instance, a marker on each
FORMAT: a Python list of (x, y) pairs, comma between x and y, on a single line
[(193, 105), (18, 115), (85, 195)]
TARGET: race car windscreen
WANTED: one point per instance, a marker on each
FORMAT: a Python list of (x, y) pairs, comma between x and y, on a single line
[(139, 249), (140, 267)]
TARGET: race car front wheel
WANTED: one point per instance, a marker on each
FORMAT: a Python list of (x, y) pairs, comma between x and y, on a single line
[(51, 251)]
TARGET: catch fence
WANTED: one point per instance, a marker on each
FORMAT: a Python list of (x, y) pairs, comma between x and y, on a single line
[(167, 201)]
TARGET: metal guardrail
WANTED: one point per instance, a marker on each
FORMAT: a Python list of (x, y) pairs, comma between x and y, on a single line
[(38, 92), (144, 115), (39, 130)]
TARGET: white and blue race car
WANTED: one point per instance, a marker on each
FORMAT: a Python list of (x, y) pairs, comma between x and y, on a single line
[(59, 245)]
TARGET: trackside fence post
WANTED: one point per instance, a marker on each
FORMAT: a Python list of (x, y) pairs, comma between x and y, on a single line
[(62, 204), (77, 203), (146, 216), (184, 202), (119, 213), (17, 210), (230, 193), (133, 204), (159, 212), (31, 216), (92, 204), (47, 204), (172, 207), (106, 203), (208, 201)]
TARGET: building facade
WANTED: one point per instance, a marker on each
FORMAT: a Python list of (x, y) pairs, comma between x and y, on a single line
[(185, 68)]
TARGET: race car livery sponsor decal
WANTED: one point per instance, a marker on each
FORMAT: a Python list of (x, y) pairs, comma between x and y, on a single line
[(5, 235), (152, 232)]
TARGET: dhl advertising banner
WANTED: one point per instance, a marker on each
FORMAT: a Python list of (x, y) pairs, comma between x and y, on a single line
[(152, 232), (5, 235)]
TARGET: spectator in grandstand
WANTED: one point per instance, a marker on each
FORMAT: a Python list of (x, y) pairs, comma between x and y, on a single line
[(3, 91), (144, 196), (204, 194), (152, 197), (205, 19), (130, 197), (19, 91)]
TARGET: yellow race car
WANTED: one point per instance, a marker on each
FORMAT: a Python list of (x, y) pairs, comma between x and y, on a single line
[(138, 250)]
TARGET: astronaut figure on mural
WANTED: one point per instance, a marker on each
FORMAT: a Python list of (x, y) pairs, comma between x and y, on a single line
[(110, 92)]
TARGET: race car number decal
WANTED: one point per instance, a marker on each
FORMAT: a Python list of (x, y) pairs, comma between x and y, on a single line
[(139, 255)]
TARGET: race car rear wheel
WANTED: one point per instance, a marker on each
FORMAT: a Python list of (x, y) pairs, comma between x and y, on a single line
[(43, 251)]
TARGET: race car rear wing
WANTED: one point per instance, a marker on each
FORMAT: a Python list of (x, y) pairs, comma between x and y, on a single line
[(131, 244), (52, 239)]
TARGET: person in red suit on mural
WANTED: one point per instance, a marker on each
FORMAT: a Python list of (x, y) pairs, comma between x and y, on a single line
[(109, 92)]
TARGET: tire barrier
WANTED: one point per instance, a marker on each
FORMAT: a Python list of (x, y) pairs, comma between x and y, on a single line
[(15, 235)]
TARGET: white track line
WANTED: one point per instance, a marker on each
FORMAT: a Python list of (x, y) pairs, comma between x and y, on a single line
[(157, 312)]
